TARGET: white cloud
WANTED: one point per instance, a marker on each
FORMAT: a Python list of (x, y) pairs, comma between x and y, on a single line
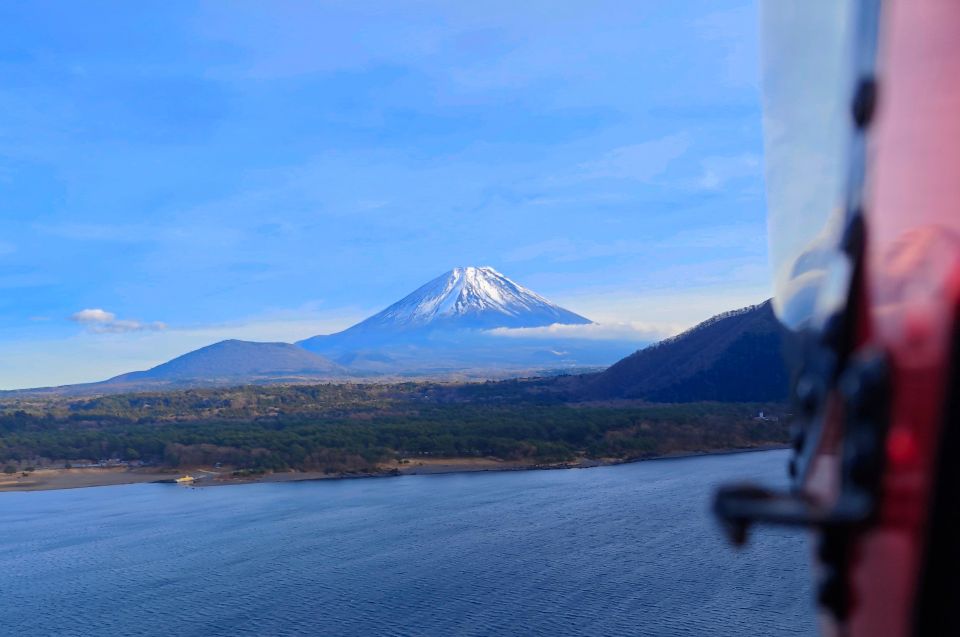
[(93, 316), (100, 321), (591, 331), (741, 236)]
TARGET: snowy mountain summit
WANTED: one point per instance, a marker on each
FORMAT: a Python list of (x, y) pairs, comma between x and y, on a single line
[(470, 298), (444, 324)]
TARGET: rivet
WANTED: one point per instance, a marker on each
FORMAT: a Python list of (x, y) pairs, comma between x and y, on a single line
[(864, 102)]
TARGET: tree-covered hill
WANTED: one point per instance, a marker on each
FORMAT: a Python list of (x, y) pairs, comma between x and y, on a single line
[(732, 357)]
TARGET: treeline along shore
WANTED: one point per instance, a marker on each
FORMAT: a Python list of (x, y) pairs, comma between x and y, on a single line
[(353, 429)]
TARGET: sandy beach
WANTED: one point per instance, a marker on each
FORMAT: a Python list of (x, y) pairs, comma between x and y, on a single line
[(46, 479), (50, 479)]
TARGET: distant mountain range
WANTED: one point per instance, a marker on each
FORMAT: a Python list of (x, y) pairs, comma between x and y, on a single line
[(442, 329), (233, 362), (452, 327)]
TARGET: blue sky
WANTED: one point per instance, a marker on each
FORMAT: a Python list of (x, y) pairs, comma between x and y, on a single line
[(274, 170)]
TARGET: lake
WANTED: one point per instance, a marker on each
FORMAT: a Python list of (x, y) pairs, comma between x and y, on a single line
[(628, 549)]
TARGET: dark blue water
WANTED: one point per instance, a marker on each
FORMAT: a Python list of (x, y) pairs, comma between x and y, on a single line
[(606, 551)]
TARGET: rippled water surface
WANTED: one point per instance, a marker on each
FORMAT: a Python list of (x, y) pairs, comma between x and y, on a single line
[(607, 551)]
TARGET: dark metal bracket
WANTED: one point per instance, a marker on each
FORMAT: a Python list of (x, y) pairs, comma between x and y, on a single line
[(740, 506), (864, 389)]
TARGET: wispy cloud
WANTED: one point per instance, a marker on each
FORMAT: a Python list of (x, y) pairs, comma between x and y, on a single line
[(740, 236), (640, 162), (561, 250), (27, 279), (719, 171), (112, 232), (591, 331), (100, 321), (734, 31)]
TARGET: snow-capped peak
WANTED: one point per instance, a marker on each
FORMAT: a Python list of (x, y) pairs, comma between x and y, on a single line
[(472, 297)]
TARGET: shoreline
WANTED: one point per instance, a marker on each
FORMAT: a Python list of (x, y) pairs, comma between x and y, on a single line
[(62, 479)]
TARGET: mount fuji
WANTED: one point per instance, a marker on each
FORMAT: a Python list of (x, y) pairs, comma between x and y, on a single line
[(446, 325), (466, 298)]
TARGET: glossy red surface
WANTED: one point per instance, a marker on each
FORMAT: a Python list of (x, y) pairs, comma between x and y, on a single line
[(912, 289)]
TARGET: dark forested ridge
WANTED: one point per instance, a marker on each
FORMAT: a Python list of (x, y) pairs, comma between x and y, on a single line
[(732, 357), (353, 428)]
